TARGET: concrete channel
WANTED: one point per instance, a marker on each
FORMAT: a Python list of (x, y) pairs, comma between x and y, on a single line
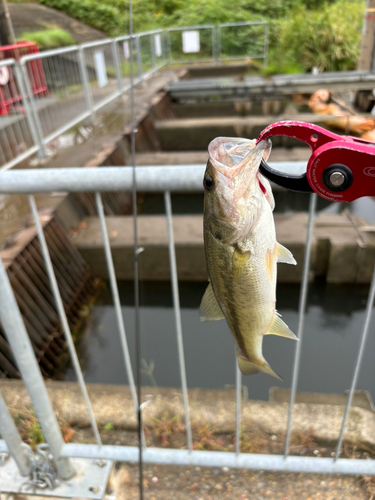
[(171, 129)]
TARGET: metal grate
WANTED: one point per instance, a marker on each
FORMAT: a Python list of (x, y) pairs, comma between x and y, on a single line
[(29, 280)]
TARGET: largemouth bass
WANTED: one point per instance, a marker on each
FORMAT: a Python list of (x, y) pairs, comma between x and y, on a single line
[(241, 249)]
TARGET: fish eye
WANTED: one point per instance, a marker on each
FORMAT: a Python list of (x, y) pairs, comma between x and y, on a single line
[(208, 182)]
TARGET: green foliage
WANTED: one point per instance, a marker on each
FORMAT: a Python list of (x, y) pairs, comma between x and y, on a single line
[(302, 33), (328, 38), (97, 14), (36, 434), (49, 39)]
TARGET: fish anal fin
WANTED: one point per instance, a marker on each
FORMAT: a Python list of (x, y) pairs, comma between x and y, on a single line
[(284, 255), (239, 262), (248, 367), (278, 327), (210, 309)]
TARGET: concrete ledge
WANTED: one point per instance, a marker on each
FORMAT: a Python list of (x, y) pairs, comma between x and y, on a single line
[(195, 134), (343, 247), (214, 407)]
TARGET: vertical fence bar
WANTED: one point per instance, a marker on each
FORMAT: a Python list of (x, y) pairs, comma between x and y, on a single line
[(85, 82), (238, 408), (370, 303), (214, 47), (19, 341), (116, 299), (12, 438), (168, 44), (63, 318), (116, 61), (138, 56), (28, 112), (266, 44), (301, 318), (42, 153), (218, 48), (153, 55), (177, 315)]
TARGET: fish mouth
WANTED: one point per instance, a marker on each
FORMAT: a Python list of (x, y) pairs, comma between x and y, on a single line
[(232, 155)]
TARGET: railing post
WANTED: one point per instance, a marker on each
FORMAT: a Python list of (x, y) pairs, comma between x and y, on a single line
[(238, 407), (19, 341), (177, 315), (214, 47), (12, 438), (266, 44), (135, 43), (85, 83), (38, 126), (168, 45), (301, 318), (153, 55), (116, 60), (30, 118), (218, 43)]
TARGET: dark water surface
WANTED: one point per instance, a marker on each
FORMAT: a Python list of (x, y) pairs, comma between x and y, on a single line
[(334, 322)]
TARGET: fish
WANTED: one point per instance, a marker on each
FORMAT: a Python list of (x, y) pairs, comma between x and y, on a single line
[(241, 249)]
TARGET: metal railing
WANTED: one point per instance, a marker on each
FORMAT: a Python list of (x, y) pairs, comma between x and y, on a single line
[(51, 92), (192, 44), (18, 136), (149, 179), (152, 50), (242, 40)]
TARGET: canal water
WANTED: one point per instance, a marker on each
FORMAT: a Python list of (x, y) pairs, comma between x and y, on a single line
[(334, 323)]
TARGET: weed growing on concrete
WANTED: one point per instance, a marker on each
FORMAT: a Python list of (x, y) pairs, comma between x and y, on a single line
[(166, 426), (205, 439), (148, 370)]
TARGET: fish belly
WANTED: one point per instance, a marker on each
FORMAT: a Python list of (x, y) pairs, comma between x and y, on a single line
[(246, 299)]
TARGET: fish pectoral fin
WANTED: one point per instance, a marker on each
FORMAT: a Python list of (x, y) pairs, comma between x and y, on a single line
[(284, 255), (247, 367), (239, 262), (210, 309), (278, 327)]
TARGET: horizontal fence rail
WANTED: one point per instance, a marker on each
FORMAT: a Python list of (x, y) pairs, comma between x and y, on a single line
[(151, 179), (48, 93)]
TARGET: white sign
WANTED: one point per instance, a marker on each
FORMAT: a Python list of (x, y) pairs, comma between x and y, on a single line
[(101, 73), (190, 42), (126, 50), (4, 75), (158, 49)]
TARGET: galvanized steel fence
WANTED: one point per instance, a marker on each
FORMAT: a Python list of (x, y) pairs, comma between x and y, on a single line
[(92, 461), (46, 94)]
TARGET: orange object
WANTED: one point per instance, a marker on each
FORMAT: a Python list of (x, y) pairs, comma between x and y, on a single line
[(342, 118)]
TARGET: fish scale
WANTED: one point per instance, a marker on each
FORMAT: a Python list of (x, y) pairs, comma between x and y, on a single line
[(241, 249)]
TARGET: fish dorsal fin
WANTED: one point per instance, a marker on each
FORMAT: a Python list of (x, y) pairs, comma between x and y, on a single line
[(278, 327), (284, 255), (210, 309)]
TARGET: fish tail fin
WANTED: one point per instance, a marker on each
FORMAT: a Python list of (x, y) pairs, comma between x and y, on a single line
[(249, 368)]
